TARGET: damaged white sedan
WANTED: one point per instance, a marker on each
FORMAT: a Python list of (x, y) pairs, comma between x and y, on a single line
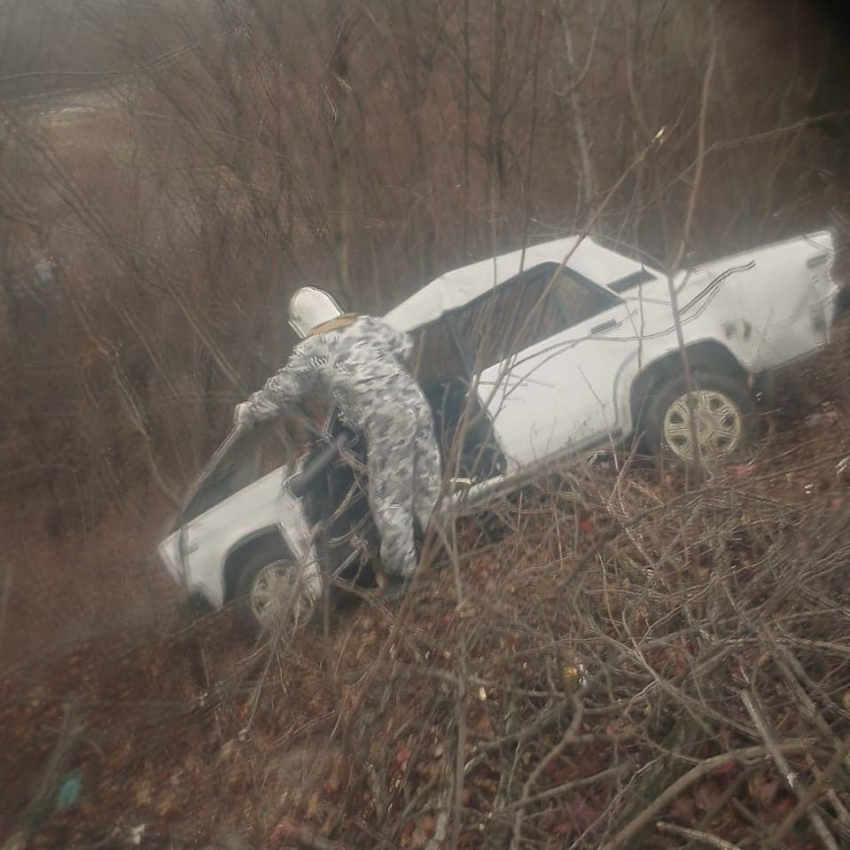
[(559, 349)]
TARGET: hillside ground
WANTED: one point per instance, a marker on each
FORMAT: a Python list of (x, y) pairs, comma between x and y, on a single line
[(612, 658)]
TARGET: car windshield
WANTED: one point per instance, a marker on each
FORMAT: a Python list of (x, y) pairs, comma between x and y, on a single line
[(235, 470), (259, 451)]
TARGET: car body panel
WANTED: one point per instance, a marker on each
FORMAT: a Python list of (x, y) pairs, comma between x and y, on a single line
[(766, 307), (197, 553), (583, 255), (568, 393), (557, 395)]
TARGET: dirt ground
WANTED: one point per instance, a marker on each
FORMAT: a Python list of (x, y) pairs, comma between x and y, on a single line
[(196, 737)]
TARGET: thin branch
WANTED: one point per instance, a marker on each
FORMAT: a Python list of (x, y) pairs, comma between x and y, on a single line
[(696, 835), (686, 231), (664, 799), (558, 790), (567, 739), (807, 799), (787, 773)]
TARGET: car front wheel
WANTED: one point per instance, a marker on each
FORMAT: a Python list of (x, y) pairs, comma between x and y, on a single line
[(272, 592), (723, 418)]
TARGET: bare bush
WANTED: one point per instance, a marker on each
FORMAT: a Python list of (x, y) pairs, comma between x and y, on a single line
[(606, 659), (607, 654)]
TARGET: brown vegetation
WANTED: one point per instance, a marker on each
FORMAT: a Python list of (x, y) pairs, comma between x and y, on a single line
[(604, 640), (607, 660), (153, 228)]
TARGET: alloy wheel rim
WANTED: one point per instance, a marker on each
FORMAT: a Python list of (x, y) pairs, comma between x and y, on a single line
[(719, 426), (277, 590)]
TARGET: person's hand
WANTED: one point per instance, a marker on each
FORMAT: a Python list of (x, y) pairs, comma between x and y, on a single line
[(242, 415)]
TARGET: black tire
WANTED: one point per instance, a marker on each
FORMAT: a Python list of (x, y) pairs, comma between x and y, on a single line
[(660, 400), (255, 564)]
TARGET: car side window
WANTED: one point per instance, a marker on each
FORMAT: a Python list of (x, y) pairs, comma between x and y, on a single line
[(525, 311), (435, 355), (580, 301)]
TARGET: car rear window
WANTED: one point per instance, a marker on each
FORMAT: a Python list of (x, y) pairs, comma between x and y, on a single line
[(631, 281)]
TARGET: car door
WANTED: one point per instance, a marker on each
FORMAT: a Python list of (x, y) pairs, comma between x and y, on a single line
[(546, 377)]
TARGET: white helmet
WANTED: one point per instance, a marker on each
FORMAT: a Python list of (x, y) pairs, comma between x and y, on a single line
[(309, 308)]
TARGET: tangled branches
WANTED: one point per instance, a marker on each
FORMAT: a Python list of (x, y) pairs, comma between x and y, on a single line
[(615, 659), (607, 659)]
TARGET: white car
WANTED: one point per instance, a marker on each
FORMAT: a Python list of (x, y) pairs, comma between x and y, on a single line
[(526, 357)]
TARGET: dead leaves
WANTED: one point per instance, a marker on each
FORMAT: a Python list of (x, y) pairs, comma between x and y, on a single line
[(763, 790)]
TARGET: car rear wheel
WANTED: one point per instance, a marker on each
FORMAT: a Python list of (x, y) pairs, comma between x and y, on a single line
[(723, 412), (273, 592)]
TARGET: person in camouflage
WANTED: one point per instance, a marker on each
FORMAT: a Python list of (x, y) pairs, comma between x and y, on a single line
[(363, 363)]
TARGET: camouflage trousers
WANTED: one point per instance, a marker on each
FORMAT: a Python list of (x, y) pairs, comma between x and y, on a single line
[(404, 477)]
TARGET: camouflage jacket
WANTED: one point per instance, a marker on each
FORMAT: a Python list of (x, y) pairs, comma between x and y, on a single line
[(363, 366)]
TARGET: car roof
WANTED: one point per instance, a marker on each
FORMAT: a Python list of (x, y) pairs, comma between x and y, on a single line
[(457, 288)]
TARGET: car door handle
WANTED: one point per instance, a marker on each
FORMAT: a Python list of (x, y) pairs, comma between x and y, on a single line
[(605, 326)]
